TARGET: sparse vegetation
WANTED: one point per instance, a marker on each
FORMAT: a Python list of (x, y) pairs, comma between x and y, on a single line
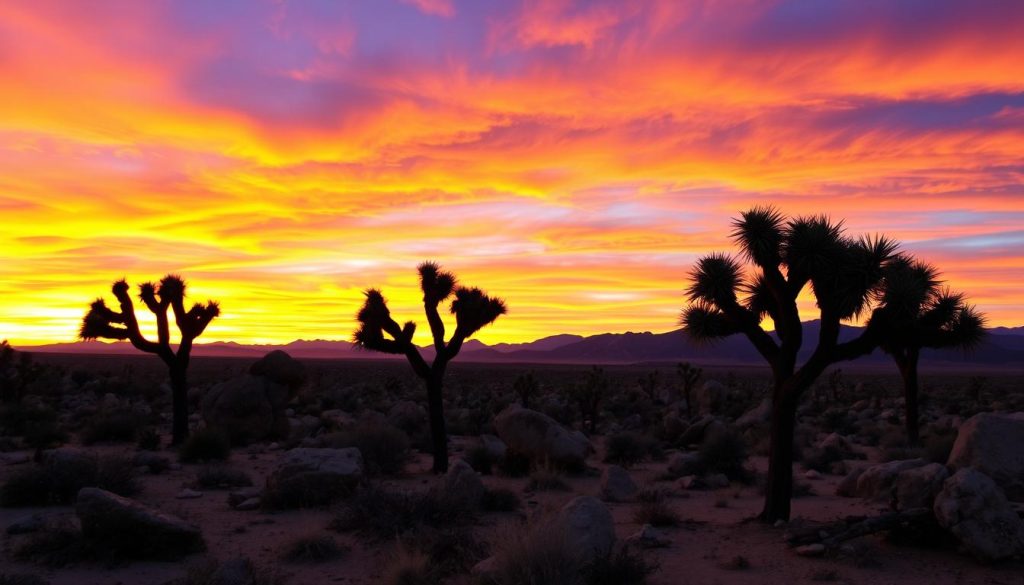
[(220, 477), (316, 548), (205, 445), (58, 481), (384, 448)]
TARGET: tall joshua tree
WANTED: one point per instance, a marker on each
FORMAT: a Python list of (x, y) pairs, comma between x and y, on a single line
[(103, 322), (923, 314), (379, 332), (787, 255)]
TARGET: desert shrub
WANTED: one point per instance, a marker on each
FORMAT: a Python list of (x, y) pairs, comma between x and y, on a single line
[(546, 477), (499, 500), (656, 513), (211, 572), (725, 453), (149, 439), (628, 448), (58, 482), (625, 566), (17, 420), (214, 477), (205, 445), (535, 555), (480, 459), (385, 449), (57, 544), (449, 550), (382, 514), (407, 567), (838, 420), (115, 427), (313, 549), (45, 435), (822, 459)]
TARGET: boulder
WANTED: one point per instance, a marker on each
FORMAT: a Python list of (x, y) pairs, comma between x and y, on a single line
[(248, 408), (132, 530), (711, 397), (462, 484), (759, 415), (917, 487), (539, 437), (280, 368), (588, 527), (973, 508), (682, 464), (649, 537), (694, 433), (314, 476), (991, 443), (617, 485), (495, 447), (878, 481)]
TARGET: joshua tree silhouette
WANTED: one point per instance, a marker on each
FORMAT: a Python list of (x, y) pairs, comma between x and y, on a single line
[(845, 276), (690, 375), (472, 309), (103, 322), (922, 314)]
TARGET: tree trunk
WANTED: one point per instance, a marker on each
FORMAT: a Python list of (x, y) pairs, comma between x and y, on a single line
[(438, 433), (779, 489), (179, 405), (908, 370)]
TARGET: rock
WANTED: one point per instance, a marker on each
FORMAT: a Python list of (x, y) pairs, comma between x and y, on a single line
[(538, 437), (617, 485), (26, 524), (16, 458), (409, 416), (280, 368), (237, 497), (314, 476), (588, 527), (917, 487), (973, 508), (495, 447), (681, 464), (649, 537), (131, 530), (847, 487), (336, 418), (812, 474), (877, 482), (810, 550), (238, 571), (759, 415), (248, 408), (462, 484), (250, 504), (694, 433), (716, 481), (153, 462), (187, 494), (837, 444), (711, 397), (991, 443)]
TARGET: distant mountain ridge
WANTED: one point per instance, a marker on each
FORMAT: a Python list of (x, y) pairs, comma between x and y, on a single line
[(1004, 346)]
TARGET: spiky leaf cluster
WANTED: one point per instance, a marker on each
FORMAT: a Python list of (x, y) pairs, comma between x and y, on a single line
[(473, 310)]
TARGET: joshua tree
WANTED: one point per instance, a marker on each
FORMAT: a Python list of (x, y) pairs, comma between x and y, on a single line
[(690, 376), (103, 322), (379, 332), (649, 385), (845, 276), (589, 397), (525, 386), (923, 315)]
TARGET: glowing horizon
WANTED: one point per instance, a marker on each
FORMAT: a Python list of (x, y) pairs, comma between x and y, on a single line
[(574, 158)]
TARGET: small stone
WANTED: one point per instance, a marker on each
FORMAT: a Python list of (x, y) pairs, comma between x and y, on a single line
[(650, 537), (187, 494), (26, 524), (812, 474), (810, 550), (248, 505)]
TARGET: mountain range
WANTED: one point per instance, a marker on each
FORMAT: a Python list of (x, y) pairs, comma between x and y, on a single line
[(1004, 346)]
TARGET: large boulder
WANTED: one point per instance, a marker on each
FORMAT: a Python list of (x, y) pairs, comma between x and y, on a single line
[(617, 485), (539, 437), (759, 415), (992, 444), (248, 408), (879, 481), (312, 477), (280, 368), (918, 486), (131, 530), (588, 527), (973, 508), (409, 416)]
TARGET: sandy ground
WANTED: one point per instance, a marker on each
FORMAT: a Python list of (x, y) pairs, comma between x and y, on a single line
[(717, 529)]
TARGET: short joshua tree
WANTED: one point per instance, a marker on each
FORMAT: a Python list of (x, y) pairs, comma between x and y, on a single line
[(690, 375), (378, 331), (923, 315), (103, 322)]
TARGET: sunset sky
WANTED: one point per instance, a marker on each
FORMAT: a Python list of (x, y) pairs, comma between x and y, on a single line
[(574, 158)]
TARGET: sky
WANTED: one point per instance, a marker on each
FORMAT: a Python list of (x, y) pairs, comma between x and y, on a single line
[(574, 158)]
